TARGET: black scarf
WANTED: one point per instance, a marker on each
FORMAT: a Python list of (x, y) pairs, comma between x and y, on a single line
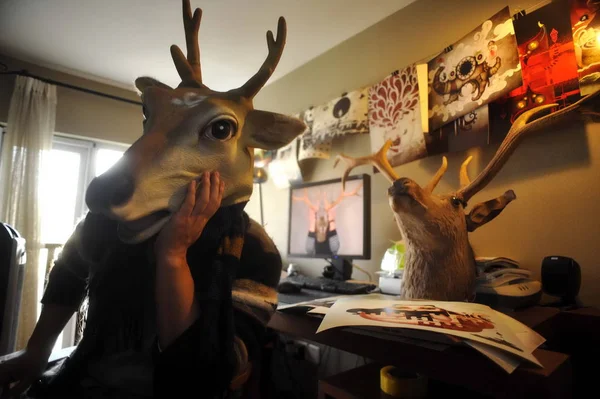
[(208, 348)]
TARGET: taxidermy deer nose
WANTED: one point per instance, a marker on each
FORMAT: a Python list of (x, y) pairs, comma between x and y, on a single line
[(399, 187), (107, 191)]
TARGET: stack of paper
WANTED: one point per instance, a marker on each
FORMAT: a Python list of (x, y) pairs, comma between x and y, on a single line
[(484, 262), (502, 339)]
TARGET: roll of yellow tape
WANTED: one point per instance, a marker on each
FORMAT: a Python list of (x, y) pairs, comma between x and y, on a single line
[(400, 385)]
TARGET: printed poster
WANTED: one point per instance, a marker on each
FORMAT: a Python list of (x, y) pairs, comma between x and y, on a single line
[(481, 67), (471, 321), (585, 25), (395, 114), (548, 63), (312, 146), (346, 115)]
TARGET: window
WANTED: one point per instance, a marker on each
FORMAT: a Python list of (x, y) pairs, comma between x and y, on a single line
[(69, 168)]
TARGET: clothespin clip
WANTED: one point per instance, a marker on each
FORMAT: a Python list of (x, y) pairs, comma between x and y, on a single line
[(448, 49), (519, 14)]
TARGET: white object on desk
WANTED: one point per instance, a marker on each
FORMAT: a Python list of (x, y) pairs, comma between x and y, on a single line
[(390, 284)]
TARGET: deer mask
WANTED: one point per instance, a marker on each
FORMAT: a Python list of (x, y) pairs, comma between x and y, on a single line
[(440, 263), (188, 130)]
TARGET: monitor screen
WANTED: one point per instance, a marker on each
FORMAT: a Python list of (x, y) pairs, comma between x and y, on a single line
[(327, 222)]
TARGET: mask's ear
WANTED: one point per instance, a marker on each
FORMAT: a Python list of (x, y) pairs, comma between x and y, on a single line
[(486, 211), (270, 131), (145, 82)]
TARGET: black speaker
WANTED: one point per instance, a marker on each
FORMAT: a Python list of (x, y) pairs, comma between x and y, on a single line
[(561, 277), (12, 269)]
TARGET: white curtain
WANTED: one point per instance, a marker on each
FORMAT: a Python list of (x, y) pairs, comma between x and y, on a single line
[(27, 141)]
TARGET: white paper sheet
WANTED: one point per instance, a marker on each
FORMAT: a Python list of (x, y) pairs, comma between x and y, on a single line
[(472, 321), (508, 362)]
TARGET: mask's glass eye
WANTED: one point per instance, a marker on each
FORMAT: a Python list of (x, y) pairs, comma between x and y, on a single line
[(456, 202), (222, 129)]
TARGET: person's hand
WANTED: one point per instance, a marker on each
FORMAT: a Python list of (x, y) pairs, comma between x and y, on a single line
[(26, 367), (186, 225)]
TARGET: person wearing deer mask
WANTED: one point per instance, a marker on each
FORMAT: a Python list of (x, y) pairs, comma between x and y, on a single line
[(180, 281), (322, 235)]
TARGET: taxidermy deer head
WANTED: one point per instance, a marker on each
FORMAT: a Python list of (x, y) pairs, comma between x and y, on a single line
[(440, 264), (188, 130)]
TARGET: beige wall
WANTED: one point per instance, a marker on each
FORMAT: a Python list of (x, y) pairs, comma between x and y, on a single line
[(79, 113), (556, 176)]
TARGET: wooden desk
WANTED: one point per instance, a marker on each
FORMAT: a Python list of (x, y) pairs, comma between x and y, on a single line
[(454, 365)]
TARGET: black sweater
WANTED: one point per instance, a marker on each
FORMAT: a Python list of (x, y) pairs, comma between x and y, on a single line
[(118, 354)]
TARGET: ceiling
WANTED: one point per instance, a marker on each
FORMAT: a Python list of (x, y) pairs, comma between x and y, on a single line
[(115, 41)]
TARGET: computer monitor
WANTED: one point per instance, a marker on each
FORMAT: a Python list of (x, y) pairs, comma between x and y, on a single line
[(330, 223)]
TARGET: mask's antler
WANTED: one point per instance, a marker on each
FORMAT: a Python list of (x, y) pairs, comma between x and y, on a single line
[(189, 69), (518, 131), (378, 159), (256, 82)]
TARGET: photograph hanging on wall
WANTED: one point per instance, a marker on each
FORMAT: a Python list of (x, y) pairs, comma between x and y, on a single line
[(345, 115), (480, 68), (312, 146), (394, 114), (468, 131), (284, 169), (548, 63), (585, 25)]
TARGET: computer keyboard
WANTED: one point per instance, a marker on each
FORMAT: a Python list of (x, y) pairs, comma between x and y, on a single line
[(330, 285)]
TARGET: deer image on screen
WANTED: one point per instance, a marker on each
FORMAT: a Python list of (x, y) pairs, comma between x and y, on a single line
[(322, 235), (440, 263)]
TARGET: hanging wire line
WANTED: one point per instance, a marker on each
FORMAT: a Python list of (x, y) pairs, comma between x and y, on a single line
[(529, 10), (4, 71)]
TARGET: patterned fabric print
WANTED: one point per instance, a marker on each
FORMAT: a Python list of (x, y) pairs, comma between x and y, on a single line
[(394, 114), (342, 116)]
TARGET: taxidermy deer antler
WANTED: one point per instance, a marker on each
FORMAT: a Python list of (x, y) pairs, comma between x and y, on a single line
[(440, 263)]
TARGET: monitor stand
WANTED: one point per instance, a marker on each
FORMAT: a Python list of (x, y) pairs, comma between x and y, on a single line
[(342, 268)]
